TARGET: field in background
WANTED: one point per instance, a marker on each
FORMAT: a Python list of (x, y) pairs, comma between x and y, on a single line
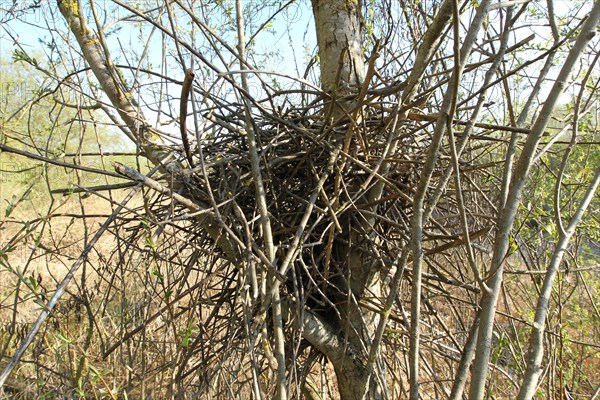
[(68, 356)]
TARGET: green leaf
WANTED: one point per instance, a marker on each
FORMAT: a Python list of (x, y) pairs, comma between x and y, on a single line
[(32, 283)]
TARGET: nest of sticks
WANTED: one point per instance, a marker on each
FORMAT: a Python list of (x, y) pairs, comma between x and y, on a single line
[(342, 186), (318, 171), (330, 174)]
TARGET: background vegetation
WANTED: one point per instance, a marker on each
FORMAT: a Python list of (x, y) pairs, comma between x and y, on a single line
[(327, 224)]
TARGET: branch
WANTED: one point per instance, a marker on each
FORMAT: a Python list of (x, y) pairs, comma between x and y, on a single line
[(426, 174), (60, 290), (508, 214), (111, 83), (506, 128), (535, 351), (536, 344), (183, 103), (261, 202), (321, 335)]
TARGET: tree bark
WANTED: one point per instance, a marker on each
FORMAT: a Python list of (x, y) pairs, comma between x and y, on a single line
[(342, 66), (349, 361), (341, 56)]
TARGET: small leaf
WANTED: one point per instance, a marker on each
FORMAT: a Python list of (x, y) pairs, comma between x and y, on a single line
[(32, 283)]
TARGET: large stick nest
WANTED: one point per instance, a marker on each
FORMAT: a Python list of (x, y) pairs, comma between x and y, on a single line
[(299, 148)]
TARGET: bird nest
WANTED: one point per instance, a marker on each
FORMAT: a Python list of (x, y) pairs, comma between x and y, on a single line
[(335, 188), (309, 160)]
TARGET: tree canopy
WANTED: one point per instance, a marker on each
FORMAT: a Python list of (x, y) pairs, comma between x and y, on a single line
[(325, 199)]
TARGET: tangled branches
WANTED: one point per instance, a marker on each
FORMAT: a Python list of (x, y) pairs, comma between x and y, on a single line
[(323, 209)]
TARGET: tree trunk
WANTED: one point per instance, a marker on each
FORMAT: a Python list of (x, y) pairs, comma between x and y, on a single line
[(349, 361), (337, 23), (342, 66)]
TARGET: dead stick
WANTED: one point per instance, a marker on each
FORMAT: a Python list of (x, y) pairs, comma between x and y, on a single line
[(185, 94)]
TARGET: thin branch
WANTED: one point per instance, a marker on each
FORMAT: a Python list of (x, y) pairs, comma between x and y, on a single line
[(426, 174), (60, 289), (261, 203), (507, 215)]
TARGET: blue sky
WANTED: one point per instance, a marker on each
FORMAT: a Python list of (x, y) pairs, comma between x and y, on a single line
[(288, 44), (32, 26), (290, 35)]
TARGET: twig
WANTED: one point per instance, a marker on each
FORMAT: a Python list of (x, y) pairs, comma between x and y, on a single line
[(185, 94), (61, 289)]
